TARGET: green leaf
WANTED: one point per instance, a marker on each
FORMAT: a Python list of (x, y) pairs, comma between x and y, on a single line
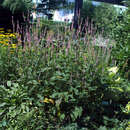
[(4, 123), (102, 128), (62, 116), (34, 82), (1, 112), (45, 69), (9, 83), (2, 105), (76, 113)]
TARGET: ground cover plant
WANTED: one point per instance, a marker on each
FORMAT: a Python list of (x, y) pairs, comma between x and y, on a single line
[(61, 80)]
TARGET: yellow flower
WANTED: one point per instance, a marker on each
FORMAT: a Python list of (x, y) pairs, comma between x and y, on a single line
[(46, 100), (6, 40), (1, 29), (13, 46), (2, 35), (51, 101), (12, 35), (6, 44)]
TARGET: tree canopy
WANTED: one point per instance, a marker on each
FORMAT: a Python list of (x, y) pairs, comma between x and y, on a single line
[(17, 5)]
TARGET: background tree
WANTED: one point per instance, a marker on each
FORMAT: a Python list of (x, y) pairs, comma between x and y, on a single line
[(103, 15), (122, 37), (18, 5), (78, 7)]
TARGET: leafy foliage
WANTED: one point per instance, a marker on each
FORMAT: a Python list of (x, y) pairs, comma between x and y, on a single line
[(115, 25), (103, 16), (18, 5), (62, 79), (122, 36), (58, 82)]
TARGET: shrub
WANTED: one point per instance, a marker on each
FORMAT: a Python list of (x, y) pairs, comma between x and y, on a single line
[(103, 16), (60, 82), (122, 37)]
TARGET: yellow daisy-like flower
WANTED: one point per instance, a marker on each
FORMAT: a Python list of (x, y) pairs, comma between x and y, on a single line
[(51, 101), (12, 35), (13, 46), (2, 35), (46, 100)]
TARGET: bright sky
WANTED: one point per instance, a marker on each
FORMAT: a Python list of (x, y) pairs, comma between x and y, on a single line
[(60, 16), (36, 0)]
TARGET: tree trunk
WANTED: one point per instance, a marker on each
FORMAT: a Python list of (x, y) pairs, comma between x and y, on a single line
[(78, 7)]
